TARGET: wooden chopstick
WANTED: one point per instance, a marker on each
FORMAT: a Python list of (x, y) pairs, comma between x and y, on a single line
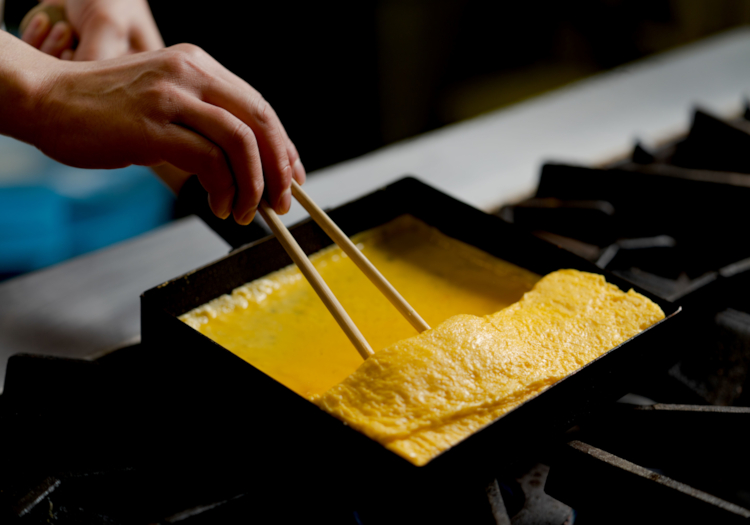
[(372, 273), (311, 274)]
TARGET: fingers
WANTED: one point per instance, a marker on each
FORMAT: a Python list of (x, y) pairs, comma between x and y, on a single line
[(233, 94), (38, 29), (193, 153), (248, 106), (59, 39), (51, 39), (240, 147), (300, 175)]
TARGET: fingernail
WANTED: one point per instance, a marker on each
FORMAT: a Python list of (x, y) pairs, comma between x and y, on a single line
[(299, 170), (285, 202), (248, 217), (36, 24), (222, 212), (59, 32)]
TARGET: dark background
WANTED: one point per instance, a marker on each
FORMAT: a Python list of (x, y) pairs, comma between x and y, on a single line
[(347, 78)]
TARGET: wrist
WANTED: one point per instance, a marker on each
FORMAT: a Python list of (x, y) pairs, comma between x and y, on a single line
[(23, 77)]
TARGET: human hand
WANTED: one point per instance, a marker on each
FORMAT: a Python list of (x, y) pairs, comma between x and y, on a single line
[(175, 105), (103, 29)]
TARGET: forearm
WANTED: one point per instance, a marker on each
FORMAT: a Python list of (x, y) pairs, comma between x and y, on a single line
[(21, 72), (173, 106)]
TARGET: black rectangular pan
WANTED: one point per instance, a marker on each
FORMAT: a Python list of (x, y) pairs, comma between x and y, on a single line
[(223, 404)]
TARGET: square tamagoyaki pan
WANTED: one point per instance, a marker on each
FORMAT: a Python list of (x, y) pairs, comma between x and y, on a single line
[(218, 404)]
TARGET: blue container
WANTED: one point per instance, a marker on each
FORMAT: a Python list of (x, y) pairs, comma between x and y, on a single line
[(33, 228), (50, 212)]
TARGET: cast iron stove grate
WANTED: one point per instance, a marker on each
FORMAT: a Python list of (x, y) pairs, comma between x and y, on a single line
[(670, 220), (119, 457), (674, 221)]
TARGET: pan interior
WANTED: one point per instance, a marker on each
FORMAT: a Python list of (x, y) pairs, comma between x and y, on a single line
[(281, 327)]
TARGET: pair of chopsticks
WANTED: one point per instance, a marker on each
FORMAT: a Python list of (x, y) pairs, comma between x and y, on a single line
[(321, 288)]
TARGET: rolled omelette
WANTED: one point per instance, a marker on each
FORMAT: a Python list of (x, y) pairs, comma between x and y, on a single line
[(422, 395)]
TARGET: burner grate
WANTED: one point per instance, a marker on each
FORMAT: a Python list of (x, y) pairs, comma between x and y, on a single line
[(671, 221), (676, 228)]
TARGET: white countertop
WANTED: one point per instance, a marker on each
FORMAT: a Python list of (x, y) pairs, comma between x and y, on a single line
[(84, 306), (496, 158)]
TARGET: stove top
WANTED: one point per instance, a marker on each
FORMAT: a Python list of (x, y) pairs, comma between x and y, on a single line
[(671, 220)]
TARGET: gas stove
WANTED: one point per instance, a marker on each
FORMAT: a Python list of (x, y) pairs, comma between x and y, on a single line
[(675, 450), (673, 222)]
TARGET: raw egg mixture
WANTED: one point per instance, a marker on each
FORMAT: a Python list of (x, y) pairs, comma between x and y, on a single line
[(491, 347)]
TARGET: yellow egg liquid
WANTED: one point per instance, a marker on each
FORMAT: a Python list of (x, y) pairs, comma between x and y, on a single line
[(279, 325)]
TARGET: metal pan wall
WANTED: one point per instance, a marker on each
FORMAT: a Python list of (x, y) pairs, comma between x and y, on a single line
[(216, 402)]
